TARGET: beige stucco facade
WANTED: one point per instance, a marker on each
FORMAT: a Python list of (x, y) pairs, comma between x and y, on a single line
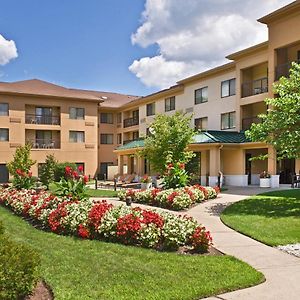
[(251, 72)]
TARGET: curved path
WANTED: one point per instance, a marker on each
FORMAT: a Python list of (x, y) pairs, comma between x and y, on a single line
[(281, 270)]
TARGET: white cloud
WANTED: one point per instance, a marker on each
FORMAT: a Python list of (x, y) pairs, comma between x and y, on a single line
[(193, 35), (8, 50)]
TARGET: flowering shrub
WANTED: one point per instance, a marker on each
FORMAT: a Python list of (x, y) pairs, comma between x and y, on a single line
[(100, 220), (146, 179), (175, 176), (175, 199), (73, 184)]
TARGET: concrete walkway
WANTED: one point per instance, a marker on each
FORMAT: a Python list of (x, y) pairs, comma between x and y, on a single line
[(281, 270)]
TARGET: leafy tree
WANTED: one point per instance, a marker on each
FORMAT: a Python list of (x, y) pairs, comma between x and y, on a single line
[(280, 127), (167, 144), (20, 167), (47, 173)]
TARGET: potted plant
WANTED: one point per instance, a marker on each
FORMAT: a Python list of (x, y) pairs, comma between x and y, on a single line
[(146, 182), (264, 179)]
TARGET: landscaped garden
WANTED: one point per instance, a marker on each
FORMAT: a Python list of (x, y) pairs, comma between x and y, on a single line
[(272, 218)]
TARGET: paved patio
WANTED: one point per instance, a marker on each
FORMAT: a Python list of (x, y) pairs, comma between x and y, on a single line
[(281, 270)]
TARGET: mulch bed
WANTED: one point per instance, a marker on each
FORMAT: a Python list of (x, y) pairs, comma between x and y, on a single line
[(41, 292)]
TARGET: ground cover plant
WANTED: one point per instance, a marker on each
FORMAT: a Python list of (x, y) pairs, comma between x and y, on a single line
[(272, 218), (174, 199), (100, 220), (79, 269)]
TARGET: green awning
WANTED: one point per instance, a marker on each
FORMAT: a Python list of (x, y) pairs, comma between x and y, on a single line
[(204, 137)]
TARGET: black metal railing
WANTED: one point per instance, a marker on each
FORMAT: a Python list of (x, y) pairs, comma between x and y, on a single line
[(42, 119), (44, 144), (130, 122), (283, 69), (247, 122), (255, 87)]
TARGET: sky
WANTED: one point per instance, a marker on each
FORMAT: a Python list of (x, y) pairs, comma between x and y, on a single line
[(134, 47)]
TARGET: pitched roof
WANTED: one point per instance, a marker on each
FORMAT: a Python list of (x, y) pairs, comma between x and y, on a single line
[(205, 137), (42, 88)]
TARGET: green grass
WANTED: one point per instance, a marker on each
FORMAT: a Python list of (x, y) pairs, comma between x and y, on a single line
[(272, 218), (91, 192), (83, 269)]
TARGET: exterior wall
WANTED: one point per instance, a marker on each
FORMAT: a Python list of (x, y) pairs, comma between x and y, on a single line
[(74, 152)]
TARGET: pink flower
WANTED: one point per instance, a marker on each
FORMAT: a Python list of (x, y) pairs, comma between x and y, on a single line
[(80, 168)]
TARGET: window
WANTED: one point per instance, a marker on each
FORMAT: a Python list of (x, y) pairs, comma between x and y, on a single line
[(76, 113), (150, 109), (201, 123), (228, 88), (3, 109), (119, 118), (228, 120), (76, 136), (135, 135), (106, 138), (170, 103), (135, 114), (4, 135), (107, 118), (119, 138), (201, 95)]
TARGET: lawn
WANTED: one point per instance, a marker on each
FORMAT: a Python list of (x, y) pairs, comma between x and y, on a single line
[(272, 218), (92, 192), (85, 269)]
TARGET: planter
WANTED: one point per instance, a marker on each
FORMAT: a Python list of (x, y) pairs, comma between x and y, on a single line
[(265, 182), (146, 185), (159, 183)]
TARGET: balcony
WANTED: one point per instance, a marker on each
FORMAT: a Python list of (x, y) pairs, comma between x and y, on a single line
[(255, 87), (128, 141), (130, 122), (247, 122), (44, 143), (42, 119), (283, 69)]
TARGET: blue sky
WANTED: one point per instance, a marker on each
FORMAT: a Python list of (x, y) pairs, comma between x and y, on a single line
[(76, 43), (128, 46)]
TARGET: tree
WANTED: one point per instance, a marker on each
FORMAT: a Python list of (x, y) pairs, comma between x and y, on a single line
[(20, 167), (280, 126), (168, 141), (48, 170)]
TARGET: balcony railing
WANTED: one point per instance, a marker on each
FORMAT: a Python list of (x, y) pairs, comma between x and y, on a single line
[(283, 69), (42, 119), (130, 122), (255, 87), (44, 144), (247, 122)]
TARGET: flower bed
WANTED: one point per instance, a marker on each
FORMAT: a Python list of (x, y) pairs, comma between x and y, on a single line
[(100, 220), (175, 199)]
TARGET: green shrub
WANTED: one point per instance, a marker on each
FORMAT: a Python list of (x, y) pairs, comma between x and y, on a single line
[(19, 269), (47, 171), (1, 228), (60, 170)]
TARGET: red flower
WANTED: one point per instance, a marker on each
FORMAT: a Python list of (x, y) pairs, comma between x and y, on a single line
[(83, 232), (182, 166), (29, 174), (152, 217), (68, 170), (80, 168), (85, 179), (169, 166), (97, 212), (75, 174), (128, 228)]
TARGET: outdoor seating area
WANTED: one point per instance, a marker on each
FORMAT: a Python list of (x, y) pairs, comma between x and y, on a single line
[(295, 180)]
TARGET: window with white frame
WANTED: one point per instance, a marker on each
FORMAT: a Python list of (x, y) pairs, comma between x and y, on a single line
[(76, 137), (228, 120), (4, 134), (76, 113)]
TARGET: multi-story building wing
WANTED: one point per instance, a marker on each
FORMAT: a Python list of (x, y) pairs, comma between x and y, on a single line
[(104, 130)]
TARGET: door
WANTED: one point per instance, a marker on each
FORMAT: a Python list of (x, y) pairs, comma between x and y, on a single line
[(104, 170), (3, 173), (43, 138), (285, 168), (44, 115), (248, 166)]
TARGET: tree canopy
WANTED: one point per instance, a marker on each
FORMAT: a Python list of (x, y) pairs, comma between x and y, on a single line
[(168, 141), (280, 126)]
